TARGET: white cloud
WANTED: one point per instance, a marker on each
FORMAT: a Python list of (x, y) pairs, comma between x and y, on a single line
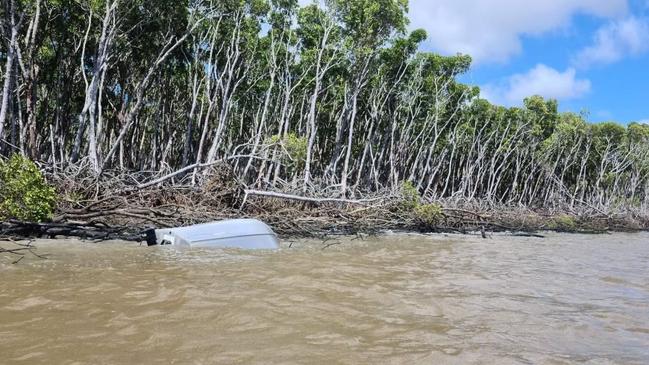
[(540, 80), (644, 121), (615, 41), (491, 30)]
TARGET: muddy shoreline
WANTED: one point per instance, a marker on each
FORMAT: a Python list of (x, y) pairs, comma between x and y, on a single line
[(315, 220), (118, 207)]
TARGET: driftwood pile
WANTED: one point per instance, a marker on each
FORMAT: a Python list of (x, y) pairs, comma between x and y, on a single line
[(124, 206)]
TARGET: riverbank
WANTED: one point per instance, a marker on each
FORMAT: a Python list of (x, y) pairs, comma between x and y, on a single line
[(119, 208)]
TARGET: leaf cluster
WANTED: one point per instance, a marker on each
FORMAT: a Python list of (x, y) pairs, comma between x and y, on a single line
[(24, 193)]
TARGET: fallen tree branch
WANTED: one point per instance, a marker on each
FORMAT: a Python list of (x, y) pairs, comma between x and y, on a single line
[(193, 167), (175, 173), (105, 213), (21, 250), (273, 194)]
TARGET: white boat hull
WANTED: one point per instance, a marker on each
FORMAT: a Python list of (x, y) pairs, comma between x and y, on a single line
[(235, 233)]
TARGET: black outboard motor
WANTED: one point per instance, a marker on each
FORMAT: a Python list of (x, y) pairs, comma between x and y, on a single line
[(150, 237)]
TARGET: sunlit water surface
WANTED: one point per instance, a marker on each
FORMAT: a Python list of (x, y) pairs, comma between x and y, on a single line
[(397, 299)]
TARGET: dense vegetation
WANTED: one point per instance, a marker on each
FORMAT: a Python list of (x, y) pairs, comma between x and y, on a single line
[(336, 99), (24, 194)]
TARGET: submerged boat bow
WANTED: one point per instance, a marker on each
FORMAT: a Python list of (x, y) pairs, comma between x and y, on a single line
[(235, 233)]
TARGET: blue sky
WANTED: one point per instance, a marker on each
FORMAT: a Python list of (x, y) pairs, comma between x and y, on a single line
[(591, 55)]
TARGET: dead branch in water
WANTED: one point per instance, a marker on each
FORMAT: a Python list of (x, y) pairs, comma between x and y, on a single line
[(21, 250)]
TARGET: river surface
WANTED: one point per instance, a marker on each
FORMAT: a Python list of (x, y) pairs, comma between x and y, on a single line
[(396, 299)]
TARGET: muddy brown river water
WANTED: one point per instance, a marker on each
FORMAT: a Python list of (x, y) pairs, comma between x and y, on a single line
[(397, 299)]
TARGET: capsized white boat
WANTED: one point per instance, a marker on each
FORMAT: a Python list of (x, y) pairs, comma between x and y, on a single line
[(236, 233)]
